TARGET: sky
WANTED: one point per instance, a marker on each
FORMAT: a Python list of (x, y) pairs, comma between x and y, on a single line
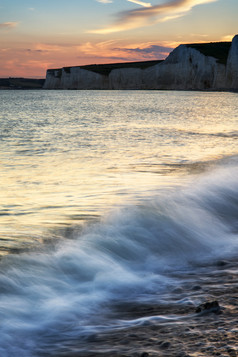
[(36, 35)]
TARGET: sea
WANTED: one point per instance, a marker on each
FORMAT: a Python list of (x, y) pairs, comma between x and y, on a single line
[(107, 199)]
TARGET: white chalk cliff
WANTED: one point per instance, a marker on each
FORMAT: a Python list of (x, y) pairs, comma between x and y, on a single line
[(202, 66), (232, 65)]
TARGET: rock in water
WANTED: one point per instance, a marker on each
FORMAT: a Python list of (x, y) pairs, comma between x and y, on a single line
[(208, 307)]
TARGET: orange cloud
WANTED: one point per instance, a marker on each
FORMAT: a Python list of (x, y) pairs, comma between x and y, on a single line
[(8, 25), (150, 15), (34, 59), (227, 38), (113, 50), (48, 47)]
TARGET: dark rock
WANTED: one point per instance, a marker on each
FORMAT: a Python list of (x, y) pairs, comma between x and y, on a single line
[(144, 354), (132, 335), (208, 307), (231, 351), (196, 287), (221, 263), (178, 291), (92, 338), (165, 345)]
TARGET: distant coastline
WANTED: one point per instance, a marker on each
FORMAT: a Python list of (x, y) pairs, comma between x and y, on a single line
[(21, 83), (199, 66)]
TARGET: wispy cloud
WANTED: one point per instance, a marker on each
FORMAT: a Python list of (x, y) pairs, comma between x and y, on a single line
[(50, 47), (113, 50), (148, 52), (142, 3), (147, 16), (138, 2), (227, 38), (105, 1), (8, 25)]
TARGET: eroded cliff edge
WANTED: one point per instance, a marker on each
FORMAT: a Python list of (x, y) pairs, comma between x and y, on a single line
[(207, 66)]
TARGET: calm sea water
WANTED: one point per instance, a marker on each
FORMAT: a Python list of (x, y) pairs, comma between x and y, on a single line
[(101, 193)]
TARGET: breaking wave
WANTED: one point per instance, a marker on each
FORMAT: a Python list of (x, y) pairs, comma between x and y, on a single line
[(66, 293)]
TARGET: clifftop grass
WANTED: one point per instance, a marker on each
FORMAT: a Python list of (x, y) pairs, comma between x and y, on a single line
[(218, 50), (105, 69)]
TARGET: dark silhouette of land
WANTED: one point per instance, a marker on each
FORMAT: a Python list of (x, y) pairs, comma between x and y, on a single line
[(21, 83)]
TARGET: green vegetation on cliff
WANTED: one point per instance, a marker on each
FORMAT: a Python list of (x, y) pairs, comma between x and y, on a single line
[(105, 69), (218, 50)]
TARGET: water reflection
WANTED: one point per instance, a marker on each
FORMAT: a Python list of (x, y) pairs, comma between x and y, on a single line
[(68, 157)]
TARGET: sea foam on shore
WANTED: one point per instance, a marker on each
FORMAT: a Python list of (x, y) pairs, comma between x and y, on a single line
[(138, 255)]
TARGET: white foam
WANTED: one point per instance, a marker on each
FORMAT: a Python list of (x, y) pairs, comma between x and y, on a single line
[(50, 296)]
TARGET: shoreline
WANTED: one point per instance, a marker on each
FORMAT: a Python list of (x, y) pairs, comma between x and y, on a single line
[(185, 334), (124, 90)]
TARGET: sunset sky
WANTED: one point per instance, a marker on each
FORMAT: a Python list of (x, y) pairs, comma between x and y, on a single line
[(36, 35)]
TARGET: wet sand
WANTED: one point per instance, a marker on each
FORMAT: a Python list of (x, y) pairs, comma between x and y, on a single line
[(185, 332)]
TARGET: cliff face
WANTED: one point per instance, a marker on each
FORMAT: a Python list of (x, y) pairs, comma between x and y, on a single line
[(75, 78), (232, 65), (198, 66), (187, 68)]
